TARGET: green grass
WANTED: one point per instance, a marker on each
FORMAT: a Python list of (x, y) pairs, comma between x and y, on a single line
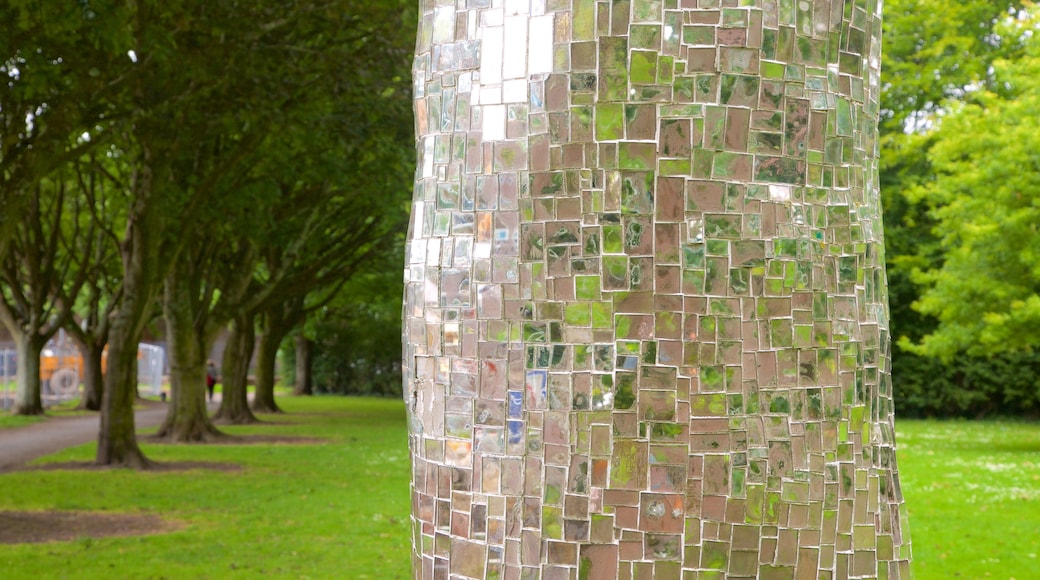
[(7, 420), (973, 492), (332, 510), (64, 409), (340, 508)]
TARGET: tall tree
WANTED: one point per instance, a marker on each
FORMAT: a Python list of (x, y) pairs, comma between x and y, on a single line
[(213, 80), (936, 53), (166, 43), (63, 68), (194, 311), (343, 174), (986, 292), (98, 182), (260, 193), (207, 281), (198, 77), (42, 273), (301, 271)]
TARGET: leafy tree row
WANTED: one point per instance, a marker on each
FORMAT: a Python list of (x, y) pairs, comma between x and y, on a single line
[(215, 163)]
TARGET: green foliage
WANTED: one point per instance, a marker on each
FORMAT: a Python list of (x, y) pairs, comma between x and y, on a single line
[(64, 66), (332, 509), (1003, 385), (264, 148), (986, 202), (358, 342), (935, 49), (973, 494), (946, 66)]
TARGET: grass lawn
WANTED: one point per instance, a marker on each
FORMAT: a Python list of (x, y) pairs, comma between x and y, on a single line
[(7, 420), (973, 491), (338, 509), (64, 409)]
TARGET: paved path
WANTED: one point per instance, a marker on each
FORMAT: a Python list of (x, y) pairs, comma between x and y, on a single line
[(23, 444)]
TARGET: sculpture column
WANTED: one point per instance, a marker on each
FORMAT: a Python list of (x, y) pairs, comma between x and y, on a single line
[(646, 324)]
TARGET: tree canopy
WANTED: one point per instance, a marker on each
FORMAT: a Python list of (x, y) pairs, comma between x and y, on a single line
[(985, 200), (950, 73), (215, 156)]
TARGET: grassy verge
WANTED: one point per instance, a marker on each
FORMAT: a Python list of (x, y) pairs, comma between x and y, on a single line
[(340, 508), (973, 491), (65, 409), (332, 510), (8, 420)]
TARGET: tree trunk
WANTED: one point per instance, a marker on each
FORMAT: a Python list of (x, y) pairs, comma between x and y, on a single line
[(142, 279), (186, 420), (234, 404), (91, 352), (117, 439), (28, 399), (304, 360), (266, 360), (93, 378)]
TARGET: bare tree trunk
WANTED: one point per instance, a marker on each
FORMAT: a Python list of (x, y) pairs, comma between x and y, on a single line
[(267, 356), (234, 405), (186, 420), (117, 439), (304, 359), (27, 396), (91, 352), (93, 379)]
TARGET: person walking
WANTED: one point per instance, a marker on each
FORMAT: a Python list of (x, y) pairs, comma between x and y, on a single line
[(211, 378)]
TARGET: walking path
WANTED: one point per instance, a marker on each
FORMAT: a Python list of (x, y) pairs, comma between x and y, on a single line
[(20, 445)]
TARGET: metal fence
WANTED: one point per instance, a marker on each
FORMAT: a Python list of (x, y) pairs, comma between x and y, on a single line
[(8, 374), (61, 372)]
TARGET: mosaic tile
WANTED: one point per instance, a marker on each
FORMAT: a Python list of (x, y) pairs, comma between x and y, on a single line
[(646, 326)]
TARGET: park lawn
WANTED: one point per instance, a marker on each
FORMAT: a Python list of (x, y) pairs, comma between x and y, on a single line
[(973, 492), (64, 409), (340, 508), (337, 509), (8, 421)]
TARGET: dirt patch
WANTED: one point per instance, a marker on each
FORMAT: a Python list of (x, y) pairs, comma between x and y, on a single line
[(40, 527)]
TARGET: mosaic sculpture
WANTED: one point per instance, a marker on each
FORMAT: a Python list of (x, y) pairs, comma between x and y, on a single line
[(646, 324)]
